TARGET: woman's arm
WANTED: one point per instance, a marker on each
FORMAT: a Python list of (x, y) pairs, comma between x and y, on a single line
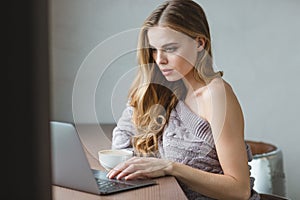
[(122, 133), (227, 125)]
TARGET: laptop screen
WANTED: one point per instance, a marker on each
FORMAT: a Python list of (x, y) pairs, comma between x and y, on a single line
[(71, 169)]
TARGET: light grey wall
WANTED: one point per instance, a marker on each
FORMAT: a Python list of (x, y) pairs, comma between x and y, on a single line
[(256, 43)]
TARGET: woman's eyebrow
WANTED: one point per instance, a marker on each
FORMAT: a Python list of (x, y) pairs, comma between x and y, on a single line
[(169, 44), (165, 45)]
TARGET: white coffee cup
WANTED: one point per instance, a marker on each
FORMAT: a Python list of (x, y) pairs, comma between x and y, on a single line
[(112, 157)]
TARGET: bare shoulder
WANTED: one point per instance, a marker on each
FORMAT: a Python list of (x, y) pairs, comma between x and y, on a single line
[(225, 113), (220, 99), (223, 90), (219, 88), (216, 100), (218, 85)]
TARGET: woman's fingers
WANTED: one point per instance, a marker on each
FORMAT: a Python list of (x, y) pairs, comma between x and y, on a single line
[(130, 169), (138, 167), (116, 170), (137, 175), (124, 168)]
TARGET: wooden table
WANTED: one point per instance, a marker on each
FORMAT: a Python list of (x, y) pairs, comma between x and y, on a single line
[(95, 138)]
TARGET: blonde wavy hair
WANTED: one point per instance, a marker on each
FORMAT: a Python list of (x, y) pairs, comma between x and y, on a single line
[(151, 95)]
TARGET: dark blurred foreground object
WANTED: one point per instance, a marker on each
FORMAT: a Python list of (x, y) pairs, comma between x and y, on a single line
[(25, 163)]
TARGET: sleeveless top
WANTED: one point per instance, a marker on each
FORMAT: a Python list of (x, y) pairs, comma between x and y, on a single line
[(187, 139)]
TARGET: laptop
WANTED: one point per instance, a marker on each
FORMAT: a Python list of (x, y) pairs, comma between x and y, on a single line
[(71, 169)]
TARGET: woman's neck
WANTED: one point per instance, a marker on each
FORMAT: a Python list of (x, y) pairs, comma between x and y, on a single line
[(192, 84)]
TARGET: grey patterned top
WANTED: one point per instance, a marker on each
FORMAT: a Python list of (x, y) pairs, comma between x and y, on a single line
[(186, 139)]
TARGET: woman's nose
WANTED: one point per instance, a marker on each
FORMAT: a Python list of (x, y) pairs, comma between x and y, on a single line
[(161, 57)]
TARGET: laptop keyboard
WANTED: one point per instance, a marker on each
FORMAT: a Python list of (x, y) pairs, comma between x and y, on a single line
[(109, 185)]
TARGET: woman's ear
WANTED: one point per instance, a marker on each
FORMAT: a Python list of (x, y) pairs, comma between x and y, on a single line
[(201, 43)]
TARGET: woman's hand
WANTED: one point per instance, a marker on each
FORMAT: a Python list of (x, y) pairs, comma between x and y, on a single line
[(141, 168)]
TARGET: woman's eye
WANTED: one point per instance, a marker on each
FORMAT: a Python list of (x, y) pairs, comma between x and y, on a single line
[(170, 49)]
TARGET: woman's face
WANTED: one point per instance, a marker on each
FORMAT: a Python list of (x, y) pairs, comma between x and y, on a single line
[(174, 52)]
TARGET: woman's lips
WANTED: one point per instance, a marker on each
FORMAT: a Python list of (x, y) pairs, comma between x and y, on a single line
[(166, 72)]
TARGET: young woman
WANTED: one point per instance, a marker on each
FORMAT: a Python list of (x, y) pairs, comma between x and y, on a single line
[(183, 119)]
